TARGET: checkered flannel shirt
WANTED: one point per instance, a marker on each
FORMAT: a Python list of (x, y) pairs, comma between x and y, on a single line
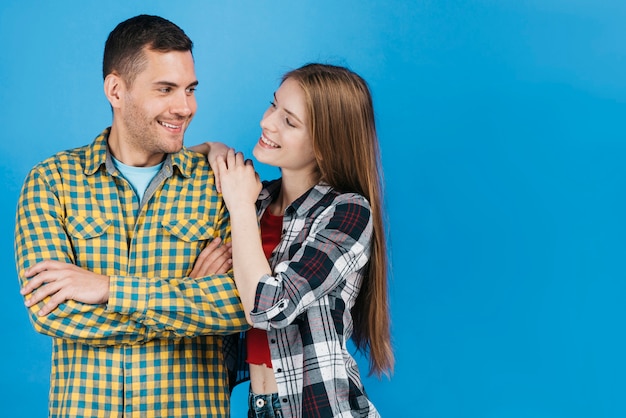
[(155, 349), (305, 305)]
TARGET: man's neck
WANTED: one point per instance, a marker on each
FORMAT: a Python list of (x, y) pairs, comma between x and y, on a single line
[(130, 155)]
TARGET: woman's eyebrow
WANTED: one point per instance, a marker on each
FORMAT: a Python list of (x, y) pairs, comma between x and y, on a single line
[(289, 112)]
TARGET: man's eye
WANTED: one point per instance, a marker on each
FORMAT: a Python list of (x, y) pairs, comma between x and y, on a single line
[(165, 90), (191, 90)]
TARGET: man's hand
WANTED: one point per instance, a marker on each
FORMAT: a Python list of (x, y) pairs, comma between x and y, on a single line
[(63, 281), (214, 259)]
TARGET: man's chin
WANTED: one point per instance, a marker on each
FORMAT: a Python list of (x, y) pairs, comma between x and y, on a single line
[(174, 145)]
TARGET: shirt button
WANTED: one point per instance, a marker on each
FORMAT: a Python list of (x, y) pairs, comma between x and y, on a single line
[(273, 341), (284, 400), (279, 370)]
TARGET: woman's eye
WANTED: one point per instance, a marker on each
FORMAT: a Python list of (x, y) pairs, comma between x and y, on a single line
[(272, 104), (289, 123)]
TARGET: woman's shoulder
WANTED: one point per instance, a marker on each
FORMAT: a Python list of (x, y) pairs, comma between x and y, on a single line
[(348, 198)]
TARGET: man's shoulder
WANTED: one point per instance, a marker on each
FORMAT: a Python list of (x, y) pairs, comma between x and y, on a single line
[(194, 158), (192, 164), (74, 162), (64, 158), (94, 150)]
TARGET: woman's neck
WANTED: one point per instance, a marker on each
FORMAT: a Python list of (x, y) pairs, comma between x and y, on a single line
[(291, 188)]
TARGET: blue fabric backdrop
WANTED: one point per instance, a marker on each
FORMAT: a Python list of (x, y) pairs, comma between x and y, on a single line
[(503, 139)]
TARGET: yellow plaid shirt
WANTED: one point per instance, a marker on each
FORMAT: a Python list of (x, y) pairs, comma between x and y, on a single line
[(155, 349)]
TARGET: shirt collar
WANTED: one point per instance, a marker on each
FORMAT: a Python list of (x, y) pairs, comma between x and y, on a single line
[(301, 205), (98, 154)]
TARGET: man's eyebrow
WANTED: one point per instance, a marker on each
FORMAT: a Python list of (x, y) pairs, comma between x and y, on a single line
[(172, 84), (289, 112)]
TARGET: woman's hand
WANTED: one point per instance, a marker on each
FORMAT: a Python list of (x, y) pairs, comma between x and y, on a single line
[(212, 150), (240, 188), (240, 183)]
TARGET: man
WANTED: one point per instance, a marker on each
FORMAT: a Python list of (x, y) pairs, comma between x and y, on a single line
[(106, 239)]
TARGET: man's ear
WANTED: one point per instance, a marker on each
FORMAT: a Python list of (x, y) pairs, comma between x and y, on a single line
[(113, 86)]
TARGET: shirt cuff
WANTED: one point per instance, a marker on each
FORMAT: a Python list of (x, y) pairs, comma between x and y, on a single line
[(269, 305), (127, 295)]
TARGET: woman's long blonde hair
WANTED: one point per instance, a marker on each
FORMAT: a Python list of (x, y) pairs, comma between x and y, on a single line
[(341, 124)]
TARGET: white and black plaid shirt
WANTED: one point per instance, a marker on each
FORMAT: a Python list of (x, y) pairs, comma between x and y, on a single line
[(305, 305)]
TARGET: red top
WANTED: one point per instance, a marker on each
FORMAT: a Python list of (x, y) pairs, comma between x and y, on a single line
[(256, 339)]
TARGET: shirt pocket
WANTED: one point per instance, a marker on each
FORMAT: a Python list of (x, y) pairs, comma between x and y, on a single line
[(189, 230), (181, 242), (91, 245), (86, 227)]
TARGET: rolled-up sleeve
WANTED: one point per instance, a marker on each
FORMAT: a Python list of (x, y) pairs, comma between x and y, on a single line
[(320, 252)]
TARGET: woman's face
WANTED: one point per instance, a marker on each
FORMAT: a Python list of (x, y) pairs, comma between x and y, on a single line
[(285, 141)]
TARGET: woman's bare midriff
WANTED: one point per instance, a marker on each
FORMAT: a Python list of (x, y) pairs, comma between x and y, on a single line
[(262, 380)]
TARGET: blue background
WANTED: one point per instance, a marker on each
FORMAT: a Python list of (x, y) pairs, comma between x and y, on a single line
[(503, 140)]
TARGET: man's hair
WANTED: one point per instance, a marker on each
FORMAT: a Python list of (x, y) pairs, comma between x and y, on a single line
[(124, 51)]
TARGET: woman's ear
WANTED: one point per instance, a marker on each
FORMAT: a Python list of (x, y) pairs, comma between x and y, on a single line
[(113, 86)]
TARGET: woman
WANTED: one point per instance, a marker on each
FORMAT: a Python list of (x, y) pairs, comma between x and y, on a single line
[(317, 274)]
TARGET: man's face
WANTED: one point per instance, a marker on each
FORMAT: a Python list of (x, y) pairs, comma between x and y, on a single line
[(157, 108)]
